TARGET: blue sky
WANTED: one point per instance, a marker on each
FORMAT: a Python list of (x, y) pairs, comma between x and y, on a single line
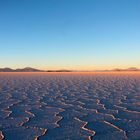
[(70, 34)]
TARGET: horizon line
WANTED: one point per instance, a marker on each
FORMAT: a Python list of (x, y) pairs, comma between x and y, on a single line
[(64, 69)]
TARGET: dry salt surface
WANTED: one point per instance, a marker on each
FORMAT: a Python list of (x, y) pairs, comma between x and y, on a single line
[(70, 106)]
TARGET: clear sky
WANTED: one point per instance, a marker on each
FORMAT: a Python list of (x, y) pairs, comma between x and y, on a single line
[(70, 34)]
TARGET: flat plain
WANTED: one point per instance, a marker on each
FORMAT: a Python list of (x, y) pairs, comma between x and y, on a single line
[(70, 106)]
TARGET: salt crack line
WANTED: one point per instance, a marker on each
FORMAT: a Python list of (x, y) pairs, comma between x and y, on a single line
[(1, 136), (30, 113), (86, 129), (44, 133), (114, 126)]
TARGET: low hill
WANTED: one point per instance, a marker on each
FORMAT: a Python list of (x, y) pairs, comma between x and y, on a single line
[(27, 69)]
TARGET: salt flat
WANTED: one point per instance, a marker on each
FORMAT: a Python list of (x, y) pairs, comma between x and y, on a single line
[(70, 106)]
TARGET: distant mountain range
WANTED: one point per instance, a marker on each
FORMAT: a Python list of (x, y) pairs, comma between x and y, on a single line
[(129, 69), (29, 69)]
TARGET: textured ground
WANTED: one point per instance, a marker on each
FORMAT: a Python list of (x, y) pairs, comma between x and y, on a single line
[(69, 106)]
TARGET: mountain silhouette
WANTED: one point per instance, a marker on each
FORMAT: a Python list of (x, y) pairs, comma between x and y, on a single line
[(27, 69)]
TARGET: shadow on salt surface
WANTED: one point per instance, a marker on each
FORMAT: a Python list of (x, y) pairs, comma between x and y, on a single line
[(22, 133), (105, 130), (70, 129), (46, 117)]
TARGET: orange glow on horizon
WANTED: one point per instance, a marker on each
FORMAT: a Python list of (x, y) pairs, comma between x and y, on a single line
[(72, 73), (77, 68)]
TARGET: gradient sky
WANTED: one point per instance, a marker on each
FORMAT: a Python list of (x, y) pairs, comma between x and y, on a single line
[(70, 34)]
